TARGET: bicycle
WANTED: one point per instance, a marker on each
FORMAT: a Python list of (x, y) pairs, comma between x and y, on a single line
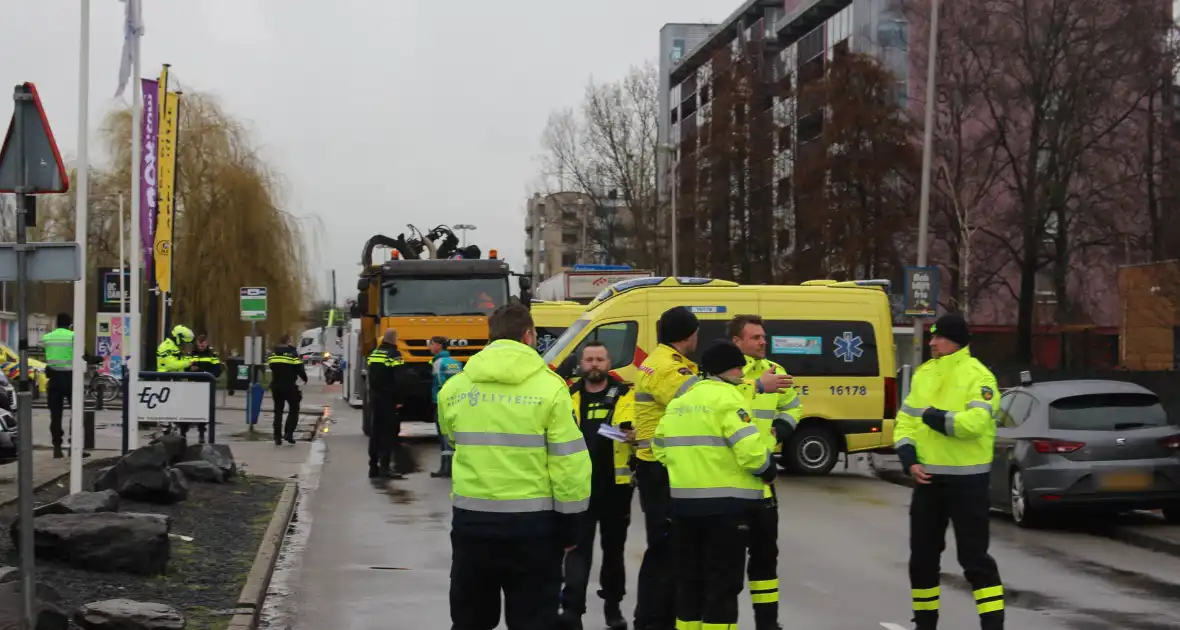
[(103, 386)]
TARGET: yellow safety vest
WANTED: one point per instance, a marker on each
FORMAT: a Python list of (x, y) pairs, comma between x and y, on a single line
[(168, 358), (712, 450), (622, 411), (963, 387)]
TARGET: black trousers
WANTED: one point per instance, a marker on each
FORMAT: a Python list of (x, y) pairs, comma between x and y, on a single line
[(60, 389), (291, 397), (963, 502), (610, 510), (383, 432), (656, 605), (762, 569), (710, 557), (526, 571)]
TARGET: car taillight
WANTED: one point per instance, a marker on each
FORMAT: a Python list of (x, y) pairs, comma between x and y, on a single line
[(1172, 442), (891, 402), (1056, 446)]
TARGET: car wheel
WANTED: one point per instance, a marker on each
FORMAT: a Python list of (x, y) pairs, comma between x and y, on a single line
[(1172, 514), (812, 450), (1023, 513)]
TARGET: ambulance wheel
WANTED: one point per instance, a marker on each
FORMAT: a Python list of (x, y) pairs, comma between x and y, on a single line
[(812, 450)]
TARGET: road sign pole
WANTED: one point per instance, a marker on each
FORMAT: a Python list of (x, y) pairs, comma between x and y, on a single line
[(25, 396)]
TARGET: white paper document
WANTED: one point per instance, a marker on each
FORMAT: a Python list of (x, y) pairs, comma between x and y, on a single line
[(611, 432)]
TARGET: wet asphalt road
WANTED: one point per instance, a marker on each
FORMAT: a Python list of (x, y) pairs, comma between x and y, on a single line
[(377, 557)]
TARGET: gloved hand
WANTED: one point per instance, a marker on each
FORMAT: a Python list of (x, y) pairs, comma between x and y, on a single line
[(782, 430), (935, 419), (770, 473)]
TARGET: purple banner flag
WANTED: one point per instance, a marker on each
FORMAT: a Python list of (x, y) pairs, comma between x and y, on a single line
[(147, 168)]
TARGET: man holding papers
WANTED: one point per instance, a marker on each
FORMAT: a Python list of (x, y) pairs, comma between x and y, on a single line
[(605, 410)]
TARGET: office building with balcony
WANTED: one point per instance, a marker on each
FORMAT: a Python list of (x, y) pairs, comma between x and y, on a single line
[(569, 228)]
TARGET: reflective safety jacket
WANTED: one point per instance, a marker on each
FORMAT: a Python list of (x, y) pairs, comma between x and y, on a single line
[(619, 408), (664, 375), (520, 467), (961, 440), (168, 357), (443, 366), (59, 349), (285, 367), (388, 377), (785, 407), (207, 361), (713, 451)]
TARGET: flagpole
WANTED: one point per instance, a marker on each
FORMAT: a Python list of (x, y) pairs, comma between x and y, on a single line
[(122, 290), (132, 362), (81, 232)]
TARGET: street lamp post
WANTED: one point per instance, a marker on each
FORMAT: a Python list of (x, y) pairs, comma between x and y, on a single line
[(927, 156), (463, 227), (671, 149)]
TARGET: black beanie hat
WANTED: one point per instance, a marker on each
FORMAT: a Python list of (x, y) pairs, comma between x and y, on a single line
[(722, 357), (676, 324), (952, 327)]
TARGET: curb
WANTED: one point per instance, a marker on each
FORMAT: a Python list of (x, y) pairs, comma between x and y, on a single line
[(253, 594)]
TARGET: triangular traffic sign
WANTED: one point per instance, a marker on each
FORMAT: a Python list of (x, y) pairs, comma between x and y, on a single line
[(45, 172)]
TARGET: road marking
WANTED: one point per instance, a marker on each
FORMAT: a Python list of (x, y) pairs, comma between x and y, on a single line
[(891, 626)]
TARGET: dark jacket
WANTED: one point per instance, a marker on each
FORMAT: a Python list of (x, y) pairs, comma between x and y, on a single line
[(285, 366), (207, 361), (389, 377)]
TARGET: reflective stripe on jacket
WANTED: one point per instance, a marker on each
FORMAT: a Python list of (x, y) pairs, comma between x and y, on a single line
[(664, 375), (712, 450), (443, 367), (519, 454), (622, 411), (963, 387), (769, 407), (59, 349)]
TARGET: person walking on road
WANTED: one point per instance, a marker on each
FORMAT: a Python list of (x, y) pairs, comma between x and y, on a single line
[(945, 436), (521, 480), (388, 378), (285, 367), (443, 367), (59, 368), (601, 400), (776, 412), (718, 467)]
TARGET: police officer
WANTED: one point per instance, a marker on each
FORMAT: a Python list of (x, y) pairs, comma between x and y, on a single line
[(521, 480), (387, 379), (442, 367), (285, 367), (718, 467), (944, 437), (600, 399), (168, 355), (59, 368), (776, 413), (204, 359)]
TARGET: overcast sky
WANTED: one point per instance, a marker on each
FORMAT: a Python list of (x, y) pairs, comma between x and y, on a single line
[(378, 113)]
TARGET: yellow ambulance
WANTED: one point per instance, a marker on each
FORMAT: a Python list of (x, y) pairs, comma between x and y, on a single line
[(552, 319), (835, 338)]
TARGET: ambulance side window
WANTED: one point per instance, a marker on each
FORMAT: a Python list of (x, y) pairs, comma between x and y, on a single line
[(620, 339), (823, 348)]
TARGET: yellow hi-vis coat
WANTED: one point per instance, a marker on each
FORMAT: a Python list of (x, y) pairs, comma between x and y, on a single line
[(519, 454), (168, 358), (664, 375), (712, 450), (770, 406), (962, 442), (622, 411)]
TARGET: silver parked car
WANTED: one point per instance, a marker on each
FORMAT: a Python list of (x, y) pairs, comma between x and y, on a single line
[(1104, 446)]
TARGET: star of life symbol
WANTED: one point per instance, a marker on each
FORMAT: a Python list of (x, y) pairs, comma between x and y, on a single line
[(848, 347)]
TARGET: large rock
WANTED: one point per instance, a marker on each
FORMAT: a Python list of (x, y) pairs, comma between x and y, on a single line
[(82, 503), (174, 445), (202, 471), (105, 541), (9, 574), (144, 475), (128, 614), (217, 454), (49, 615)]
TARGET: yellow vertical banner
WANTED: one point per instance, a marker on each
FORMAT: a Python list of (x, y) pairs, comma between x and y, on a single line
[(169, 128)]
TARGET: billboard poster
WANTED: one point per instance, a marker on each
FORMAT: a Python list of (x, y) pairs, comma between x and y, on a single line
[(109, 337), (921, 291)]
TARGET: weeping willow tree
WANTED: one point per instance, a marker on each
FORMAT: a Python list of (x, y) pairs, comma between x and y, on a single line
[(229, 230)]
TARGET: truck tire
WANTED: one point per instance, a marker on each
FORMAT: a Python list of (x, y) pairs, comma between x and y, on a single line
[(812, 450)]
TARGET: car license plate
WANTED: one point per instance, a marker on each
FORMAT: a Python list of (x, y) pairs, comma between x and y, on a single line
[(1125, 481)]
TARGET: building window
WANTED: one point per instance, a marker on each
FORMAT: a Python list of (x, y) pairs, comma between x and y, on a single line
[(569, 259), (677, 50)]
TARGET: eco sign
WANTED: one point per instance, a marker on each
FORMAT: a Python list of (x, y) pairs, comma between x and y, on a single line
[(252, 303)]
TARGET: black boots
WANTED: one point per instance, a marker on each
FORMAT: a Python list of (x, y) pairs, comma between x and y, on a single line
[(57, 452), (614, 616), (569, 621), (444, 466)]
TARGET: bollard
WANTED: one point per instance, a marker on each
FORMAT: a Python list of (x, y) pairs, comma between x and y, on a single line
[(88, 429)]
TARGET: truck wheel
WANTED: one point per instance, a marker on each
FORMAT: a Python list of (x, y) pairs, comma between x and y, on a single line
[(812, 450)]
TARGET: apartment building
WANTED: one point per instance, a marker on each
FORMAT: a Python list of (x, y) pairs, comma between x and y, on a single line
[(569, 228), (676, 40)]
